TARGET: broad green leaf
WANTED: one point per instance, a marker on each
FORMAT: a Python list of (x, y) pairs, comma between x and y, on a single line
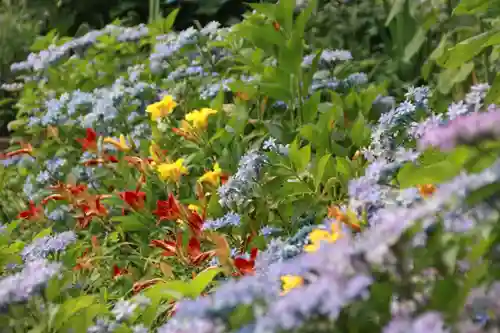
[(202, 280), (493, 96), (343, 167), (467, 49), (468, 7), (359, 131), (415, 44), (310, 107), (129, 223), (451, 76), (43, 233), (264, 8), (303, 18), (70, 308), (320, 169), (396, 9), (300, 157)]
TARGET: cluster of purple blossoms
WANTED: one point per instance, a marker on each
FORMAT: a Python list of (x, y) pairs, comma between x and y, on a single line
[(21, 286), (42, 247), (231, 219), (328, 57), (239, 189), (467, 129)]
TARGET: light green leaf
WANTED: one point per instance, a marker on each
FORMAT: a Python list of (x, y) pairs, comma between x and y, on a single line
[(359, 131), (493, 96), (129, 223), (397, 7), (70, 308), (202, 280), (300, 157), (415, 44), (320, 169), (468, 7), (469, 48)]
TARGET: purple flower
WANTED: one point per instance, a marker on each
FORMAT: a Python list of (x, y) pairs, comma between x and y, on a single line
[(463, 130), (21, 286), (231, 219), (42, 247)]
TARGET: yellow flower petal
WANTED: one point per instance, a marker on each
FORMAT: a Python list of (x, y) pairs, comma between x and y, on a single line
[(162, 108), (290, 282)]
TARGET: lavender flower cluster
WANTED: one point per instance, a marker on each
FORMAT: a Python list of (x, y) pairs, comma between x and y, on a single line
[(237, 192), (231, 219), (42, 247), (30, 280), (43, 59)]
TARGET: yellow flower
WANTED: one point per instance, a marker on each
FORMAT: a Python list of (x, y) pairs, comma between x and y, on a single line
[(172, 171), (212, 177), (120, 144), (154, 150), (162, 108), (290, 282), (199, 119), (194, 208), (318, 235)]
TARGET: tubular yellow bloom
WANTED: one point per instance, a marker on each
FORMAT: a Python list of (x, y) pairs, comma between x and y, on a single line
[(120, 144), (172, 171), (212, 177), (154, 152), (318, 235), (162, 108), (199, 118), (290, 282)]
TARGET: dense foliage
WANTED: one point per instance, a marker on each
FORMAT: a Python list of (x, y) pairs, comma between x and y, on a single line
[(253, 178)]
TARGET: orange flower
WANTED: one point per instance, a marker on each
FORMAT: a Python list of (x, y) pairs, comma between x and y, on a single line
[(117, 272), (191, 255), (426, 190), (141, 285), (26, 148)]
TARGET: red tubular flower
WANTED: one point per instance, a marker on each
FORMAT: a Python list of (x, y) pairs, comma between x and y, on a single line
[(90, 141), (195, 222), (195, 256), (26, 148), (32, 213), (90, 208), (169, 247), (134, 199), (246, 266), (117, 272), (168, 209)]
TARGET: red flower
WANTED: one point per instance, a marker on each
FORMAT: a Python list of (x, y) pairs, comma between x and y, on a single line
[(134, 199), (168, 209), (192, 255), (32, 213), (195, 256), (246, 266), (117, 272), (169, 247), (195, 222), (91, 208), (90, 141)]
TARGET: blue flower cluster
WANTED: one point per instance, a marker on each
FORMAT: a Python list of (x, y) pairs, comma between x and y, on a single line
[(42, 247), (21, 286), (231, 219), (237, 192)]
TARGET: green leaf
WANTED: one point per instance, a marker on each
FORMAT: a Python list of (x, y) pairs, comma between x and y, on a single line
[(467, 49), (202, 280), (359, 131), (129, 223), (300, 157), (448, 78), (343, 167), (396, 9), (264, 8), (43, 233), (304, 16), (415, 44), (70, 308), (310, 107), (320, 169), (470, 7), (493, 96)]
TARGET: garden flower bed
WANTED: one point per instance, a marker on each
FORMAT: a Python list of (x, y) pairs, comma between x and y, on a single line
[(240, 180)]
